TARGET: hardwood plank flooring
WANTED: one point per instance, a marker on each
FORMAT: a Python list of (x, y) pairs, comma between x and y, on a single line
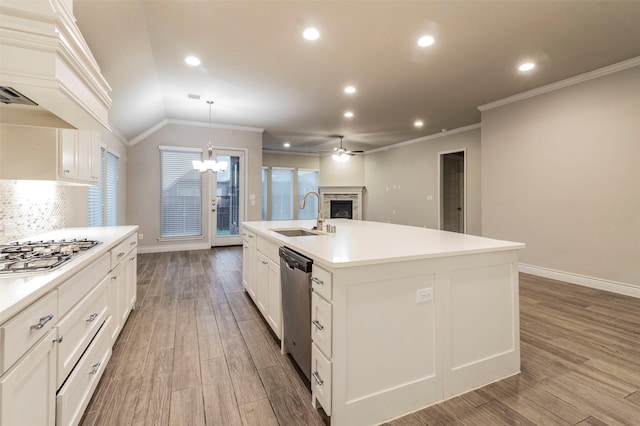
[(196, 351)]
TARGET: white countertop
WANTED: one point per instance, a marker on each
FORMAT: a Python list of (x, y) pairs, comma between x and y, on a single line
[(19, 290), (358, 243)]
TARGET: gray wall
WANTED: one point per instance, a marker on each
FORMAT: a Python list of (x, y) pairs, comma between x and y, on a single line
[(76, 196), (143, 175), (335, 173), (560, 173), (402, 177), (290, 159)]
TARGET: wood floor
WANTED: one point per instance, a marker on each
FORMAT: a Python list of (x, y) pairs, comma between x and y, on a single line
[(196, 352)]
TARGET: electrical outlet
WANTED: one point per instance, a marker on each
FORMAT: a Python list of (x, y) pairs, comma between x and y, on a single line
[(424, 295), (141, 236)]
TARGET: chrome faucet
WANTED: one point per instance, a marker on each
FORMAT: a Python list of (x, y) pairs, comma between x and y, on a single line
[(320, 221)]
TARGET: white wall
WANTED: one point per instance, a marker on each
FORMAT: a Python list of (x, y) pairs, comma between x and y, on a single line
[(291, 160), (335, 173), (560, 172), (399, 179), (143, 175)]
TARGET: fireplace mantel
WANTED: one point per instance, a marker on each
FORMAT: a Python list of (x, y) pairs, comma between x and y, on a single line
[(328, 193)]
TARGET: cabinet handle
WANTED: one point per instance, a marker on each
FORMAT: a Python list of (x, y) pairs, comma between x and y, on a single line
[(42, 322), (132, 243), (317, 280), (66, 171), (59, 340), (250, 236), (115, 277), (120, 254), (316, 376), (263, 262), (94, 368), (92, 317), (317, 324), (131, 259)]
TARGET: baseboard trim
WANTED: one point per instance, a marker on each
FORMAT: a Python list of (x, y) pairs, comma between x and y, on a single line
[(173, 247), (599, 283)]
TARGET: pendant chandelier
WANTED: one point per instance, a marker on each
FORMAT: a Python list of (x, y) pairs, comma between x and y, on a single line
[(210, 164)]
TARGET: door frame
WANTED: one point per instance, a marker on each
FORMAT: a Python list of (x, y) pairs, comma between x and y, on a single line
[(441, 154), (212, 183)]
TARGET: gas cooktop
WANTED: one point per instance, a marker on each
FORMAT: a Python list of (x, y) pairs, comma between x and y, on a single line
[(38, 256)]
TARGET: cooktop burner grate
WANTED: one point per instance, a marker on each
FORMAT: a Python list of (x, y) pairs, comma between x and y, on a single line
[(38, 256)]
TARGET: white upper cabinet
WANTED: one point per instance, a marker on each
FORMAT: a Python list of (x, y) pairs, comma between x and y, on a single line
[(44, 153)]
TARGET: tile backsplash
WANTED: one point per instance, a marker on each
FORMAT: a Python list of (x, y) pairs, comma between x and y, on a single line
[(29, 208)]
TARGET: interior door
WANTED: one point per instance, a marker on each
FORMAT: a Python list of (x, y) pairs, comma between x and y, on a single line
[(452, 191), (227, 199)]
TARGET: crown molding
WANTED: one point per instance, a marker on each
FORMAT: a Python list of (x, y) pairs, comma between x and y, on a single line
[(620, 66), (426, 138), (151, 130), (278, 152)]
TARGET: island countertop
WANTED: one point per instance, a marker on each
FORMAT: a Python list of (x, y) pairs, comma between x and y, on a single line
[(359, 243), (21, 289)]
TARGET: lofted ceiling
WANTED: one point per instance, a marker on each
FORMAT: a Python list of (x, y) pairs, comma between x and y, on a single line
[(261, 73)]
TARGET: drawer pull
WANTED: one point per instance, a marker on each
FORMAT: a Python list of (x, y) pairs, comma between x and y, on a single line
[(132, 243), (317, 280), (131, 259), (94, 368), (59, 340), (115, 277), (317, 324), (316, 376), (121, 254), (264, 263), (42, 322), (92, 317), (66, 171)]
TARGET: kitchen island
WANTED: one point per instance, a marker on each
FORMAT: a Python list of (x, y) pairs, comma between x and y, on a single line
[(403, 317)]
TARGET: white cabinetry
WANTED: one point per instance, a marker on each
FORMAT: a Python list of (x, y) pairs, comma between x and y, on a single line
[(122, 284), (27, 391), (44, 153), (249, 263), (321, 335)]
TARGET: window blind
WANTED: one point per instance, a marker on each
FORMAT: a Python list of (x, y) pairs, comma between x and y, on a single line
[(308, 181), (281, 194), (103, 198), (95, 209), (180, 193)]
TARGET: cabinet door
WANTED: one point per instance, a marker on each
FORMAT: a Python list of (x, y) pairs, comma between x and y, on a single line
[(262, 278), (251, 265), (114, 302), (132, 278), (84, 155), (68, 161), (96, 164), (274, 310), (28, 391)]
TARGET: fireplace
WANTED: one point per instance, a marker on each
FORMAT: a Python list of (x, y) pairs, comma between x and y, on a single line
[(341, 209), (349, 200)]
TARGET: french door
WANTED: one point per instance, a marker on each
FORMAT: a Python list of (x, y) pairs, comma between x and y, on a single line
[(227, 209)]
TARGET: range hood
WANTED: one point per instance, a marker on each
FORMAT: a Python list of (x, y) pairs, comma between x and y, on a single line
[(48, 75)]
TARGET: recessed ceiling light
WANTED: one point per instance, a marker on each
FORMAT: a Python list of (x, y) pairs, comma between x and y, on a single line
[(348, 114), (286, 144), (418, 123), (527, 66), (192, 60), (311, 34), (350, 89), (425, 41)]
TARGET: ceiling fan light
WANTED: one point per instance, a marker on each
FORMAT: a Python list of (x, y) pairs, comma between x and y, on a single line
[(341, 158)]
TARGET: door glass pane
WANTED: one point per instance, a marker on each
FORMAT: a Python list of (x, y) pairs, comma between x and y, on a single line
[(264, 193), (228, 197), (308, 181), (281, 194)]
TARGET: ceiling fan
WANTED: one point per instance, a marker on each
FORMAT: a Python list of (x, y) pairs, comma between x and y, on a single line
[(342, 153)]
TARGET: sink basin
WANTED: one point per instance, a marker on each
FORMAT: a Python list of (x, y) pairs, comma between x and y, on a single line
[(297, 232)]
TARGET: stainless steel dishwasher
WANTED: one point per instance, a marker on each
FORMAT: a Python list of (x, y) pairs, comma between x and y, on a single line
[(295, 277)]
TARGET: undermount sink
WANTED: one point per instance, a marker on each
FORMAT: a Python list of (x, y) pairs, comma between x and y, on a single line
[(297, 232)]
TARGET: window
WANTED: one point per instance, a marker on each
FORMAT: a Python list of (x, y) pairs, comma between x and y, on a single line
[(103, 198), (180, 192), (282, 191), (281, 194), (308, 181)]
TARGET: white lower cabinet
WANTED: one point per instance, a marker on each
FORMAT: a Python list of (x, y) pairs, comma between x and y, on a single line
[(122, 291), (321, 378), (74, 396), (268, 292), (28, 389)]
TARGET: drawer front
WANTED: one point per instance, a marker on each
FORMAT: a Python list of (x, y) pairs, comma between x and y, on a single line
[(121, 250), (74, 396), (78, 327), (321, 379), (321, 323), (321, 281), (23, 330), (76, 287), (269, 249)]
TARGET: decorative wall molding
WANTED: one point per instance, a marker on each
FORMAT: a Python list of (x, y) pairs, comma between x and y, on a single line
[(620, 66), (599, 283)]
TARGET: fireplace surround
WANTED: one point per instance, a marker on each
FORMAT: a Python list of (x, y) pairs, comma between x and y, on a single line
[(354, 194)]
